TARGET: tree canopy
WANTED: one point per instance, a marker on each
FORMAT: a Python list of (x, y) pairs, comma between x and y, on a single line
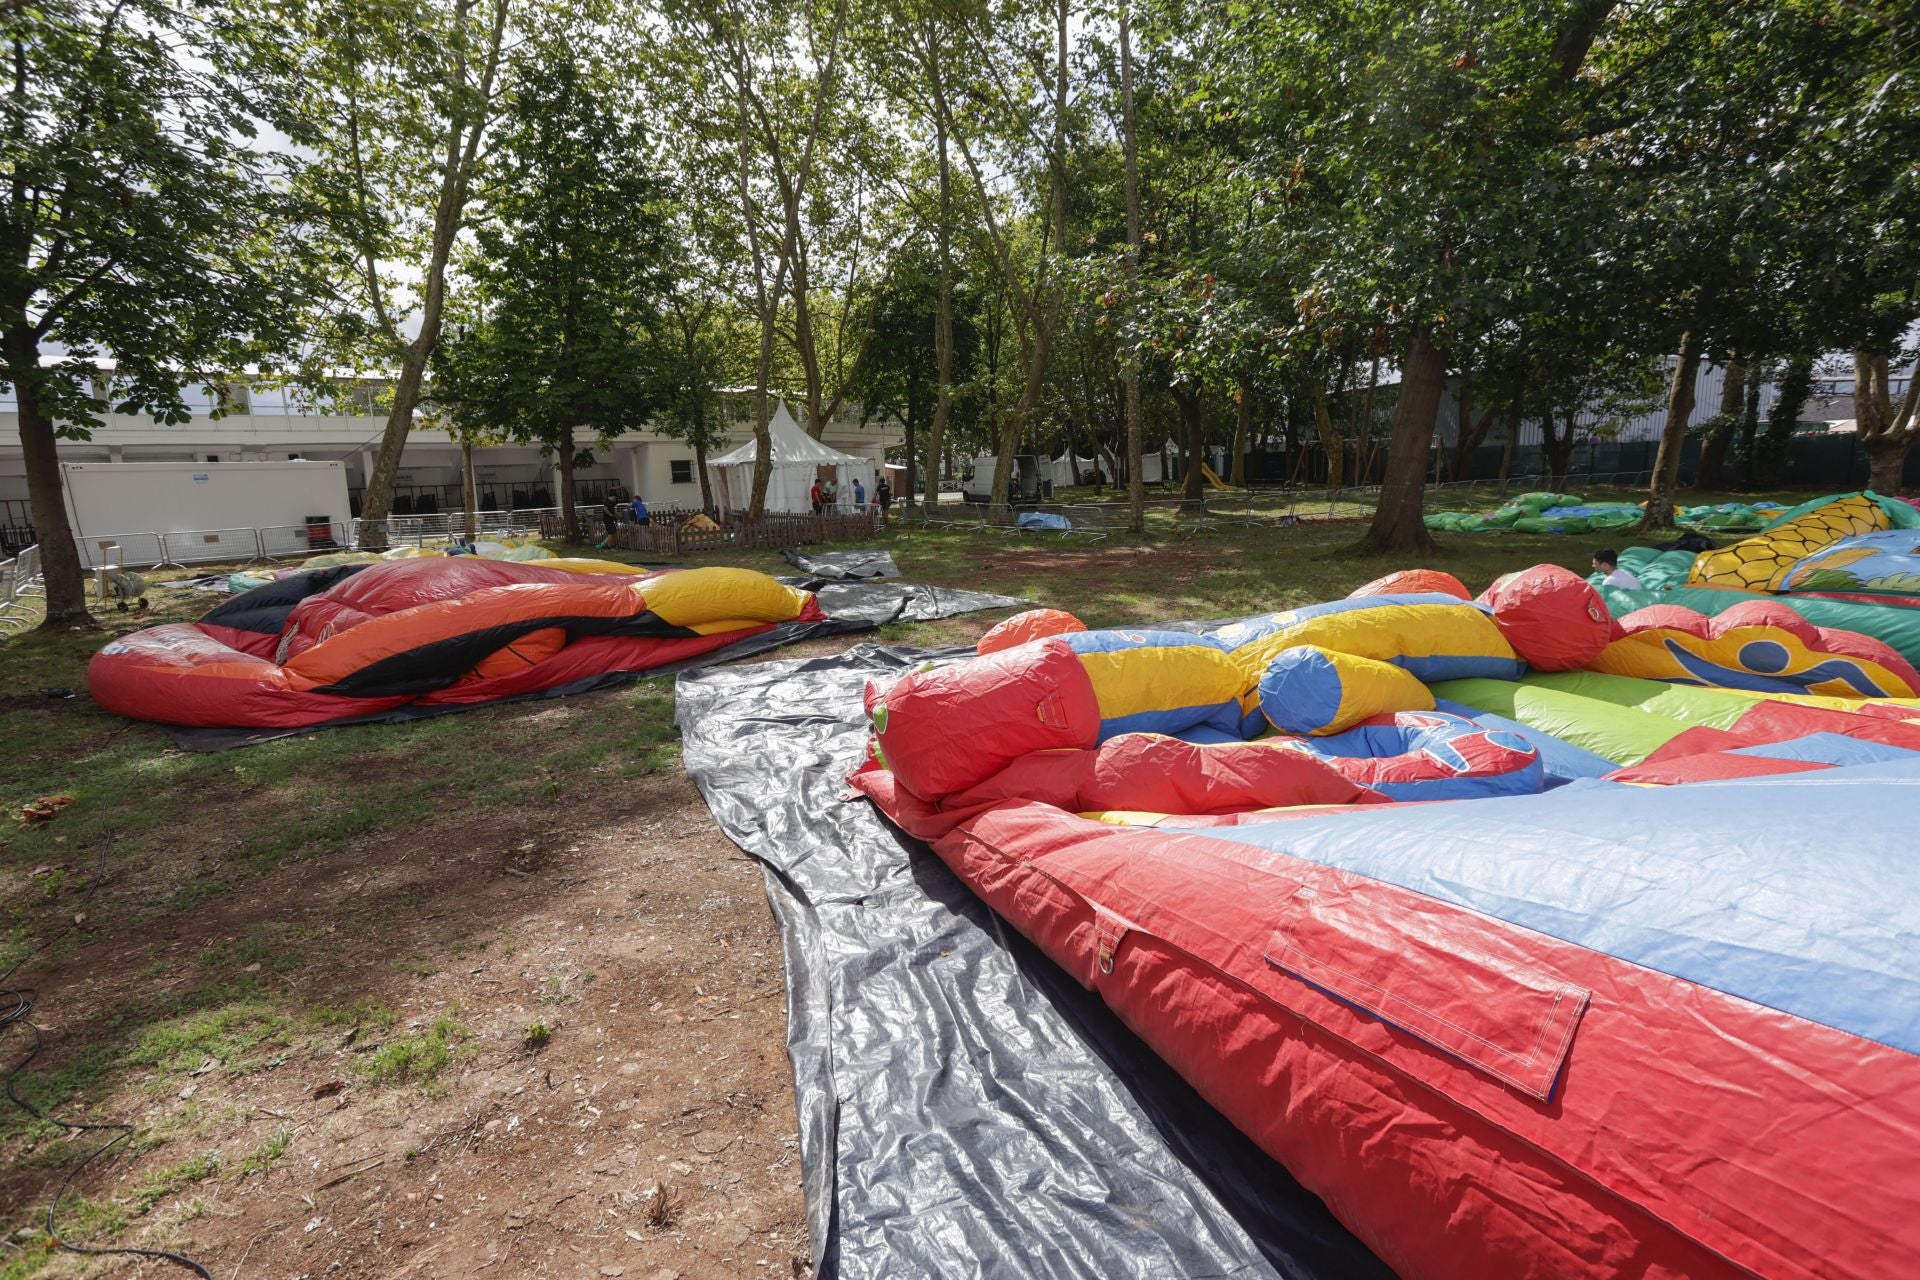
[(1291, 232)]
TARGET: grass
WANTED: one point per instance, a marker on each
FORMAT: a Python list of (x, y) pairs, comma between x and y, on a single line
[(160, 1184), (268, 1153), (418, 1058)]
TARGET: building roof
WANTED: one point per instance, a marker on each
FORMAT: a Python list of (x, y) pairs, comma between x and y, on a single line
[(791, 447)]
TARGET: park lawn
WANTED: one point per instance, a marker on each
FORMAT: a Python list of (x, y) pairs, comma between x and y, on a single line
[(330, 963)]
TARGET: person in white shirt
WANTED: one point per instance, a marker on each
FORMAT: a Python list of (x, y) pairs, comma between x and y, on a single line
[(1605, 561)]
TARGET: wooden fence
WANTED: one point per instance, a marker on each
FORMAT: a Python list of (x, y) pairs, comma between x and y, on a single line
[(775, 532)]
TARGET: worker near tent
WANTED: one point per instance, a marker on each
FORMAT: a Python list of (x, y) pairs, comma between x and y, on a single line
[(815, 496), (859, 496), (883, 497), (830, 492), (1605, 561)]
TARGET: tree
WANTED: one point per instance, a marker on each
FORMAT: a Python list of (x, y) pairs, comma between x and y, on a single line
[(694, 344), (1130, 140), (401, 101), (140, 222), (566, 266)]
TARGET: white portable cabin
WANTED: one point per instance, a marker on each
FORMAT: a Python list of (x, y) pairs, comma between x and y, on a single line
[(798, 460), (204, 511)]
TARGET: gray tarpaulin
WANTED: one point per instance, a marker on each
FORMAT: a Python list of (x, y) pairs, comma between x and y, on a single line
[(837, 565), (966, 1108)]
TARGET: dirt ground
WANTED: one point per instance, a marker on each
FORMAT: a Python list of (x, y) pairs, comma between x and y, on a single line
[(652, 1136)]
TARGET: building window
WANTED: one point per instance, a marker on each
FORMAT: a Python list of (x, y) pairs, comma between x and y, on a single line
[(682, 470)]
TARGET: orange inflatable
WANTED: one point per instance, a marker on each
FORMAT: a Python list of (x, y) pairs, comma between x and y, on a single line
[(1034, 624), (1410, 581)]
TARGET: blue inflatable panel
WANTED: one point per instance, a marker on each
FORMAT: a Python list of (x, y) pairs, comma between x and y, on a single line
[(1044, 521), (1800, 892), (1828, 748), (1560, 761)]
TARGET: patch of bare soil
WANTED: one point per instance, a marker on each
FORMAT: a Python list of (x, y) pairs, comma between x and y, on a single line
[(617, 1099)]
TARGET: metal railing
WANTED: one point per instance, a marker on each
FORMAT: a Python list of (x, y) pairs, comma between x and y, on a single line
[(19, 585)]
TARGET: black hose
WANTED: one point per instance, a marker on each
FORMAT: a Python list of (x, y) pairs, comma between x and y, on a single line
[(16, 1008)]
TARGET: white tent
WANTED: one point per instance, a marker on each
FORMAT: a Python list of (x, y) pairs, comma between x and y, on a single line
[(798, 460)]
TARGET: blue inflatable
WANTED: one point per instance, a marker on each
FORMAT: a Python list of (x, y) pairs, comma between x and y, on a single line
[(1431, 755)]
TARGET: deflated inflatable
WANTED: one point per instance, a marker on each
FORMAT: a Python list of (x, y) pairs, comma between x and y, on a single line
[(1662, 1026), (358, 639)]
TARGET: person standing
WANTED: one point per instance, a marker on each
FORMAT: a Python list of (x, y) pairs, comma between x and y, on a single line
[(815, 496), (639, 509), (883, 498), (609, 518), (859, 496)]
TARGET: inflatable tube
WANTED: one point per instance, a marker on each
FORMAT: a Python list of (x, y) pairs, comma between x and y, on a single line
[(1433, 636), (1430, 755), (1413, 582), (1550, 616), (1316, 691), (1894, 625), (1759, 646), (1034, 624)]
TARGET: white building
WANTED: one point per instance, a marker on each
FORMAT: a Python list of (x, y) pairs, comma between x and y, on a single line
[(273, 424)]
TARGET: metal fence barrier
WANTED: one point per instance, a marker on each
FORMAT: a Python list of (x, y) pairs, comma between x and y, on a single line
[(309, 538), (19, 587)]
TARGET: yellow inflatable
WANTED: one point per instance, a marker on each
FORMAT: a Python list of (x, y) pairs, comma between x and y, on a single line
[(1761, 562)]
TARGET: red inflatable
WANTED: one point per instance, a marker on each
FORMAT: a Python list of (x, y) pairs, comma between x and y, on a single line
[(1414, 581), (1551, 616), (360, 639), (1034, 624), (1658, 1032)]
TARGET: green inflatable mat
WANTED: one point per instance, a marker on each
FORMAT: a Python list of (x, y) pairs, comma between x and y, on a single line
[(1617, 717)]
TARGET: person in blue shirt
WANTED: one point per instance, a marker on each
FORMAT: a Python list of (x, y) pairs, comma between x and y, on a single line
[(639, 509), (859, 496)]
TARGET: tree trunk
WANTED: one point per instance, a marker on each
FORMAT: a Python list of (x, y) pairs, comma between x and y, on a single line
[(376, 503), (910, 444), (1506, 448), (700, 452), (64, 579), (1194, 420), (1130, 155), (1886, 434), (943, 311), (469, 490), (569, 506), (1749, 424), (1046, 316), (1397, 521), (1555, 448), (1673, 438), (805, 346), (1720, 433), (1770, 459), (1330, 442), (1242, 428)]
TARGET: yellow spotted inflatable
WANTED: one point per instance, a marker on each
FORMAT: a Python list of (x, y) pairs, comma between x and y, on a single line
[(1762, 562)]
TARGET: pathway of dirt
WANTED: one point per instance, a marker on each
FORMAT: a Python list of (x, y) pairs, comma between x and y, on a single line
[(652, 1136)]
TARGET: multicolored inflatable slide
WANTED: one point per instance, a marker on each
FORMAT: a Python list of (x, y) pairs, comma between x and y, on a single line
[(1529, 965)]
